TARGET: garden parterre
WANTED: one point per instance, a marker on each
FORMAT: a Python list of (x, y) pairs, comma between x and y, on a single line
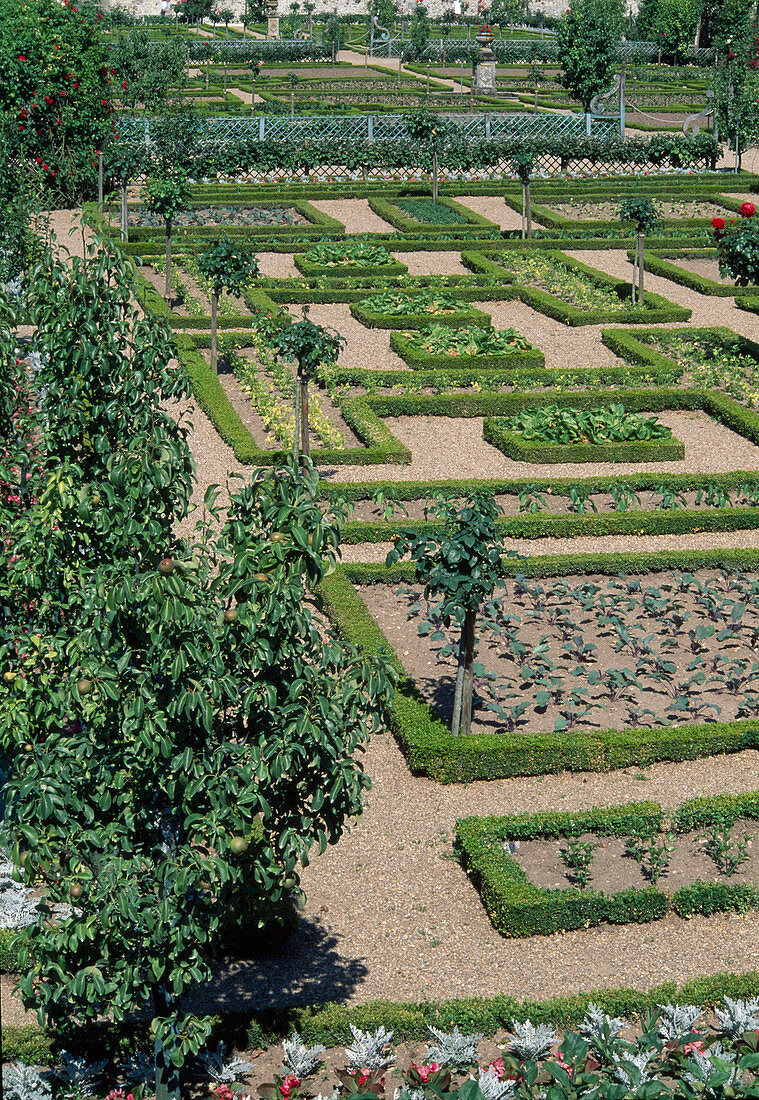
[(572, 377)]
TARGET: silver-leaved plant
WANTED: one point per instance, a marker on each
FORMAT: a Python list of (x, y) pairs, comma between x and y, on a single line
[(492, 1086), (221, 1069), (528, 1041), (301, 1060), (78, 1075), (632, 1070), (452, 1048), (598, 1025), (675, 1021), (738, 1016), (368, 1051), (22, 1082)]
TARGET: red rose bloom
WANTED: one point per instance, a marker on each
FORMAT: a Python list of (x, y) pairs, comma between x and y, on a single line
[(718, 223), (747, 209)]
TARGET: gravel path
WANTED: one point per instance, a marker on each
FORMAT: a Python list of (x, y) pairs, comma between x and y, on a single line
[(355, 214)]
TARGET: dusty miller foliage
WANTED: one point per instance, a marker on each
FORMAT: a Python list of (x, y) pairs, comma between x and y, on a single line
[(452, 1048), (21, 1082), (703, 1063), (598, 1025), (675, 1021), (632, 1070), (17, 909), (368, 1051), (529, 1041), (738, 1017), (221, 1071), (301, 1060), (492, 1086)]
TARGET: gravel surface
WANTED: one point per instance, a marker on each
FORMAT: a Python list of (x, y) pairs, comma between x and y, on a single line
[(492, 208), (355, 214)]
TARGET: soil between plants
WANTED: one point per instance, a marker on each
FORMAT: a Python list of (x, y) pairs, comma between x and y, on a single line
[(611, 870), (535, 623)]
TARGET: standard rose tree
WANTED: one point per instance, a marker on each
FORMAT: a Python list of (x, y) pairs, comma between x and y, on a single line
[(738, 249), (167, 198), (226, 267)]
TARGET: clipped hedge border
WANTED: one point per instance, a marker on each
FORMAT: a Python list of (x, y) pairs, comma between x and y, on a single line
[(532, 377), (329, 1024), (518, 908), (554, 220), (427, 743), (513, 445), (349, 272), (655, 308), (319, 222), (381, 446), (424, 360), (386, 209), (630, 345), (589, 525), (657, 262), (419, 320)]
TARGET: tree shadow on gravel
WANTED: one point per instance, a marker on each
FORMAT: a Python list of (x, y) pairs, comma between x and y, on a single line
[(306, 968)]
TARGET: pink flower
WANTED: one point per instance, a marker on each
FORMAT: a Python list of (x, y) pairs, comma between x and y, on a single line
[(290, 1082), (497, 1065), (426, 1071), (564, 1065), (697, 1045)]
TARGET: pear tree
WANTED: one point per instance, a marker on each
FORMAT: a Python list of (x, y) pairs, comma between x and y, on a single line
[(226, 267)]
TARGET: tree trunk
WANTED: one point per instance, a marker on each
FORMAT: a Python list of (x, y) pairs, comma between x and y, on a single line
[(297, 416), (528, 208), (434, 176), (456, 716), (167, 293), (640, 268), (166, 1074), (292, 104), (214, 342), (124, 226), (305, 435), (468, 637)]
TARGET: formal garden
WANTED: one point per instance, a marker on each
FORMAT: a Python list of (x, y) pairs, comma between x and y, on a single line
[(379, 602)]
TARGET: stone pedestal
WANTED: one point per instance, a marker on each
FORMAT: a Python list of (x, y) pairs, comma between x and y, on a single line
[(484, 74), (484, 77), (272, 26)]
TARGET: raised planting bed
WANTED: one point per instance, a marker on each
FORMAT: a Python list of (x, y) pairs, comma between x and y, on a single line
[(351, 259), (441, 347), (710, 357), (570, 291), (550, 872), (420, 215), (621, 733), (600, 211), (415, 309), (555, 434), (702, 275), (296, 218)]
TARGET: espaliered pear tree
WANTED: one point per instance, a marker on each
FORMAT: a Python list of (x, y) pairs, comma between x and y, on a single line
[(181, 733)]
